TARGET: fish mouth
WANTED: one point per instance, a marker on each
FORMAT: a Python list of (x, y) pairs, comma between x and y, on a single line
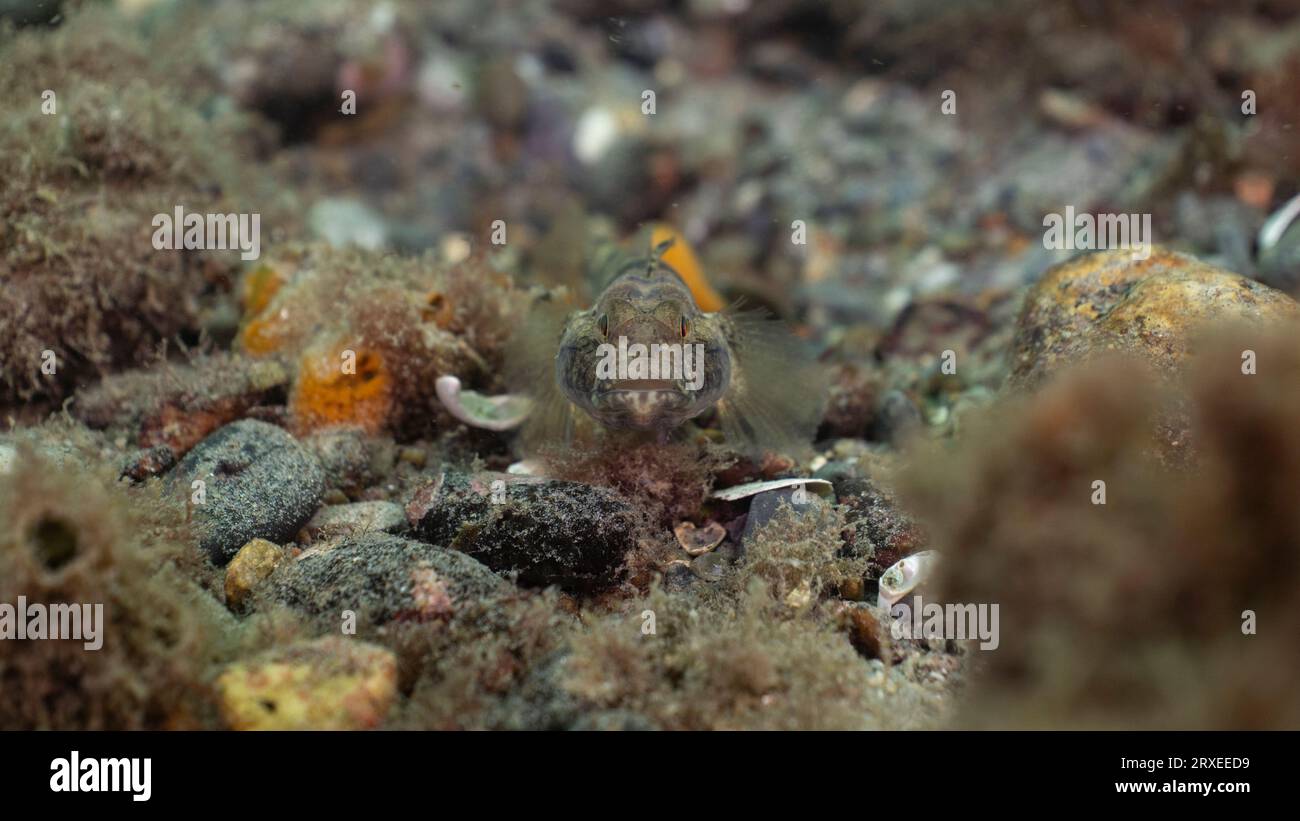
[(641, 385), (640, 403), (640, 393)]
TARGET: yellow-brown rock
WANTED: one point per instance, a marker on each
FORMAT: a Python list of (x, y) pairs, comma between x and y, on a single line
[(334, 683), (1110, 302), (253, 563)]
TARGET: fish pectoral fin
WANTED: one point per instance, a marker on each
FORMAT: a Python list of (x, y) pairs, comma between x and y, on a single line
[(530, 370), (778, 389)]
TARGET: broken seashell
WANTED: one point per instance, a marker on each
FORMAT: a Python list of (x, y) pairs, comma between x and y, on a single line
[(476, 410), (819, 486), (905, 576), (698, 541), (1275, 226), (526, 467)]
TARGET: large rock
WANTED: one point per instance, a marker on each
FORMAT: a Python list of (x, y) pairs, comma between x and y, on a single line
[(550, 533), (384, 578), (258, 483), (1108, 301)]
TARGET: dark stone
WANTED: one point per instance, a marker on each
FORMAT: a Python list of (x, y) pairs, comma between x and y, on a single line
[(896, 417), (550, 533), (715, 564), (765, 506), (678, 576), (878, 529), (259, 483), (836, 472)]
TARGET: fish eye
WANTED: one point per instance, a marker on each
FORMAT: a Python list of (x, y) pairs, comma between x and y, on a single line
[(603, 325), (685, 326)]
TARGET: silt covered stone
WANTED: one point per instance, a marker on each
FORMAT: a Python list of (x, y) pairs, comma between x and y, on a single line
[(567, 534)]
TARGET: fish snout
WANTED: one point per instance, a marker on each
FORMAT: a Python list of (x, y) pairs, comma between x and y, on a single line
[(643, 330)]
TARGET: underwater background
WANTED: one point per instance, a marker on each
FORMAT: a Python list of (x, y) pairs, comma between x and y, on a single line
[(283, 283)]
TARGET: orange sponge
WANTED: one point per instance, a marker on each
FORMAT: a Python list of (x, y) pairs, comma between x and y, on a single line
[(341, 387)]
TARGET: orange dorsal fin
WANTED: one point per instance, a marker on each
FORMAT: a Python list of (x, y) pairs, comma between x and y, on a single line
[(681, 258)]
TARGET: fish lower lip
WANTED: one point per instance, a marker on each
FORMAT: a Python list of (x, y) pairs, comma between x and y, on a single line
[(637, 402), (643, 385), (641, 392)]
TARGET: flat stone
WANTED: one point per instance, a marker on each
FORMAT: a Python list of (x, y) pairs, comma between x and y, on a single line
[(356, 518)]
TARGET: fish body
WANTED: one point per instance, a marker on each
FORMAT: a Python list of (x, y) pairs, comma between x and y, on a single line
[(646, 357)]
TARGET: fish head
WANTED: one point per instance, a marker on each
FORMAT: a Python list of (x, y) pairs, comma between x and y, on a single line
[(645, 357)]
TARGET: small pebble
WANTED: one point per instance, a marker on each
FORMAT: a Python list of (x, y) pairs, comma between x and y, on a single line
[(713, 566), (355, 518), (897, 417), (252, 564), (568, 534), (678, 575)]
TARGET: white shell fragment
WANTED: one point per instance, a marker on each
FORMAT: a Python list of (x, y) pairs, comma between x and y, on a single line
[(1275, 226), (479, 411), (906, 575), (697, 541), (819, 486), (527, 467)]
